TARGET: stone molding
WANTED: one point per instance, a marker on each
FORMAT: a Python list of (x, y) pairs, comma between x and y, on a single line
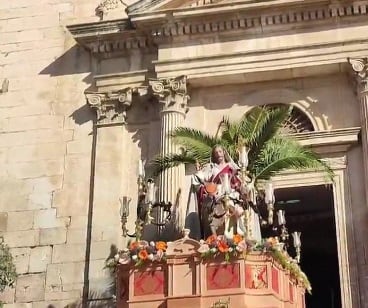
[(171, 93), (110, 107), (147, 29)]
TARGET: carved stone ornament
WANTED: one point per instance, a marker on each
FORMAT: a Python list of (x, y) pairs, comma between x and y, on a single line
[(171, 93), (360, 66), (109, 7), (111, 107)]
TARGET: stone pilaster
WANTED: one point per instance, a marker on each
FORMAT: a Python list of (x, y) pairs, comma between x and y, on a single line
[(360, 67), (173, 98)]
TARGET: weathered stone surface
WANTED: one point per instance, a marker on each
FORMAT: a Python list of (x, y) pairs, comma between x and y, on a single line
[(68, 253), (64, 273), (22, 238), (77, 236), (18, 221), (48, 219), (72, 200), (53, 236), (21, 259), (19, 305), (40, 257), (46, 151), (36, 169), (45, 184), (62, 295), (7, 296), (30, 288), (3, 221)]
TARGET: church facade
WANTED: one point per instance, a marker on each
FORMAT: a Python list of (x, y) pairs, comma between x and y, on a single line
[(89, 89)]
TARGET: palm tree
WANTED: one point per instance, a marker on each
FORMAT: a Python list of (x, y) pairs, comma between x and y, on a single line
[(270, 151)]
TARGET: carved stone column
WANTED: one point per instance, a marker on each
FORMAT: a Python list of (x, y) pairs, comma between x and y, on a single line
[(173, 97), (360, 67)]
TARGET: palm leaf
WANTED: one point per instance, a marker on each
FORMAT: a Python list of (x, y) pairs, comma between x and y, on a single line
[(161, 163), (281, 154)]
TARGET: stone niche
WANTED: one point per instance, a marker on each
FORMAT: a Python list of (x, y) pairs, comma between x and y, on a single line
[(186, 280)]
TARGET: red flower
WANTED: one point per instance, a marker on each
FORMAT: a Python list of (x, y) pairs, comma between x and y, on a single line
[(223, 247), (143, 254)]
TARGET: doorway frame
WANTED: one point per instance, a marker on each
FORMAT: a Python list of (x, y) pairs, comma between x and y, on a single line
[(343, 220)]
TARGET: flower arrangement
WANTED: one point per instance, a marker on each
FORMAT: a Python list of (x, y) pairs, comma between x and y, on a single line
[(142, 252), (220, 245), (139, 253)]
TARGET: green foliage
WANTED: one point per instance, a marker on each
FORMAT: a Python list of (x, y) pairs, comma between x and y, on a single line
[(270, 152), (8, 273)]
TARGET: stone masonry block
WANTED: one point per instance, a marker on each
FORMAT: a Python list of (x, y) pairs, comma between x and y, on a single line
[(47, 219), (48, 151), (21, 259), (77, 236), (36, 169), (7, 296), (18, 221), (45, 184), (64, 273), (36, 136), (30, 288), (3, 222), (69, 253), (40, 200), (53, 236), (83, 146), (72, 200), (22, 238), (34, 122), (62, 295), (19, 305), (39, 259)]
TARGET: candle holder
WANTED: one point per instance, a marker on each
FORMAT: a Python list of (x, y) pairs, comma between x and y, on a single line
[(297, 244), (124, 213)]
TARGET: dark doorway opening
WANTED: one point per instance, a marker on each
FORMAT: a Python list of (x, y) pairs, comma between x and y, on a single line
[(310, 210)]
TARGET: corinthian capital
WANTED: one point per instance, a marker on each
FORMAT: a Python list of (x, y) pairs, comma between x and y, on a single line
[(360, 67), (171, 93), (110, 107)]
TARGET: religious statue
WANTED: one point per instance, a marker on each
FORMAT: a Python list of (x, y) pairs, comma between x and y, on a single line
[(219, 197)]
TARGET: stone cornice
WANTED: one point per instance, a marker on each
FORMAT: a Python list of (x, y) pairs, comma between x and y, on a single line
[(332, 141), (142, 30)]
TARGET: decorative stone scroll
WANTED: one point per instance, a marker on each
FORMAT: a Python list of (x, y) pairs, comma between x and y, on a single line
[(110, 8), (172, 93), (111, 107), (360, 67)]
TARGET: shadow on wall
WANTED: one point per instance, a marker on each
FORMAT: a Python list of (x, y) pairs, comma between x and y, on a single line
[(75, 60)]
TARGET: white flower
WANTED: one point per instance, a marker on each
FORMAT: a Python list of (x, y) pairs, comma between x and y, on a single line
[(150, 256), (124, 259), (230, 249), (239, 248), (159, 255), (152, 243), (202, 242), (116, 257), (204, 248), (134, 257), (213, 250)]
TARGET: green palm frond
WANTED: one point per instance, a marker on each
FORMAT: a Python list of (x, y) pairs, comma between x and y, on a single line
[(281, 154), (268, 127), (161, 163), (195, 142)]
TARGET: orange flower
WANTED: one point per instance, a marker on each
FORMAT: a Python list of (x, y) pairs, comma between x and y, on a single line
[(223, 247), (211, 239), (237, 238), (143, 254), (133, 245), (161, 246)]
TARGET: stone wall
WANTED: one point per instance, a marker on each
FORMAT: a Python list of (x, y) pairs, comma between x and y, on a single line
[(45, 149)]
